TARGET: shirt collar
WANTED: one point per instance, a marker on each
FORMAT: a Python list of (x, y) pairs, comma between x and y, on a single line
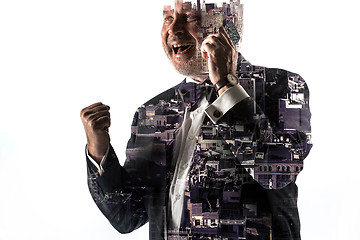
[(190, 80)]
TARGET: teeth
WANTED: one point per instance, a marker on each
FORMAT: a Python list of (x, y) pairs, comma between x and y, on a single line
[(180, 45)]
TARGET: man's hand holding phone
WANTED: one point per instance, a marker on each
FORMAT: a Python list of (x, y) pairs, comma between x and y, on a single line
[(221, 54)]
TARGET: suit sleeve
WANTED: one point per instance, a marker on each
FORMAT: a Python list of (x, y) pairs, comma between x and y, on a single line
[(119, 200), (121, 192), (269, 130)]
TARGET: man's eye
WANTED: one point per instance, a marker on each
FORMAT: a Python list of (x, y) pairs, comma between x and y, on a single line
[(168, 19), (191, 17)]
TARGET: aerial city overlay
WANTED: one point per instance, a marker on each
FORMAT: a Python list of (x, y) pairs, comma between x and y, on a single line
[(227, 159)]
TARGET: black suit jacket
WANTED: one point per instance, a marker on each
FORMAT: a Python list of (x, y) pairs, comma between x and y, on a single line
[(247, 163)]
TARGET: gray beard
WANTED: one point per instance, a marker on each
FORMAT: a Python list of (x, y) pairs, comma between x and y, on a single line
[(191, 67)]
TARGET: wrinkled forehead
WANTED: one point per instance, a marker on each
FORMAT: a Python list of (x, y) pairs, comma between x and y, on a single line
[(195, 5), (179, 5)]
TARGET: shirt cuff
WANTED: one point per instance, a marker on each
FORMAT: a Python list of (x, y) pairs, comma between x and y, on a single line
[(225, 102), (102, 162)]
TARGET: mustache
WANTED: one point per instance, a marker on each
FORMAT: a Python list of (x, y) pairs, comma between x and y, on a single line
[(179, 38)]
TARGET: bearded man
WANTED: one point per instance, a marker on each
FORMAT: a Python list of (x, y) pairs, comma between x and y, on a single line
[(214, 157)]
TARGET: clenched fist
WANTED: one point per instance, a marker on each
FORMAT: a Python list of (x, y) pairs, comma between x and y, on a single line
[(96, 121)]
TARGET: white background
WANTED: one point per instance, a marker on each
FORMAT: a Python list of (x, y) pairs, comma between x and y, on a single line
[(57, 57)]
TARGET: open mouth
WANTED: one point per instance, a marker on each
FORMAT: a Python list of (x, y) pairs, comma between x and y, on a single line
[(182, 48)]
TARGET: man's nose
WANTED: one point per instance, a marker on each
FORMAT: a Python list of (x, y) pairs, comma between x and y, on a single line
[(177, 26)]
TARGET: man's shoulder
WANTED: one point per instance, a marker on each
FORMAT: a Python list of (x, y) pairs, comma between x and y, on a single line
[(278, 75), (272, 81)]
